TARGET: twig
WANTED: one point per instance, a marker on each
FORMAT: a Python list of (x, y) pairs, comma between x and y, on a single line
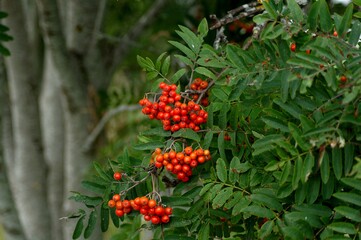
[(245, 10), (98, 129)]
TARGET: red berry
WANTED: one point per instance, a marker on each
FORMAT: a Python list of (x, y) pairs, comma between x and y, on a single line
[(117, 176), (159, 211), (116, 197), (168, 211), (335, 34), (343, 78), (165, 219), (119, 212), (293, 47), (147, 217), (155, 220)]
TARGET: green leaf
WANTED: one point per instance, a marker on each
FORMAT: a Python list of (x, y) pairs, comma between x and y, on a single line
[(177, 200), (348, 212), (352, 182), (258, 211), (236, 197), (342, 227), (337, 162), (207, 139), (265, 200), (312, 18), (296, 11), (165, 66), (221, 144), (275, 123), (270, 10), (178, 75), (115, 218), (78, 228), (234, 168), (220, 94), (222, 197), (206, 188), (190, 38), (101, 172), (187, 133), (310, 58), (293, 110), (292, 233), (238, 208), (204, 232), (184, 60), (266, 229), (3, 14), (355, 33), (345, 22), (104, 218), (188, 52), (315, 209), (325, 17), (91, 224), (94, 187), (221, 170), (89, 201), (349, 158), (4, 51), (148, 146), (313, 189), (302, 63), (297, 172), (234, 56), (325, 168), (179, 222), (297, 135), (203, 28), (285, 172), (285, 190), (157, 131), (352, 198), (205, 72)]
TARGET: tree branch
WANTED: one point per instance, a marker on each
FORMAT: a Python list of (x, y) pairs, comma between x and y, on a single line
[(98, 129)]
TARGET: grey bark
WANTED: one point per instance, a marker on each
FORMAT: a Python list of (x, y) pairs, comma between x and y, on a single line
[(52, 123), (8, 214), (29, 166)]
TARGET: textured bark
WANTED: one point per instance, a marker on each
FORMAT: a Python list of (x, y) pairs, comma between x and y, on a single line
[(52, 123), (74, 94), (8, 214), (29, 167)]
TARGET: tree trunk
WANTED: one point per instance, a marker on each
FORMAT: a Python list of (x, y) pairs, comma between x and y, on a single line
[(8, 214), (29, 185), (52, 122)]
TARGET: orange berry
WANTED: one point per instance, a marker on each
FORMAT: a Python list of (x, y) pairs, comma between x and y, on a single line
[(152, 203), (111, 203), (119, 205), (116, 197), (188, 150), (144, 200)]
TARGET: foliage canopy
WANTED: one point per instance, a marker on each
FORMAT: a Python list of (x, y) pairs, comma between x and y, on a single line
[(283, 130)]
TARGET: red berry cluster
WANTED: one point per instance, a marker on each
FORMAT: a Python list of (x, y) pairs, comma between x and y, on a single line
[(174, 114), (180, 163), (198, 85), (151, 210)]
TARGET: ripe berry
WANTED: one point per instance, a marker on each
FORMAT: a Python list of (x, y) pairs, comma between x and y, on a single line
[(335, 34), (152, 203), (111, 203), (119, 205), (155, 220), (119, 212), (165, 219), (343, 78), (117, 176), (116, 197), (159, 211), (293, 47), (168, 211)]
